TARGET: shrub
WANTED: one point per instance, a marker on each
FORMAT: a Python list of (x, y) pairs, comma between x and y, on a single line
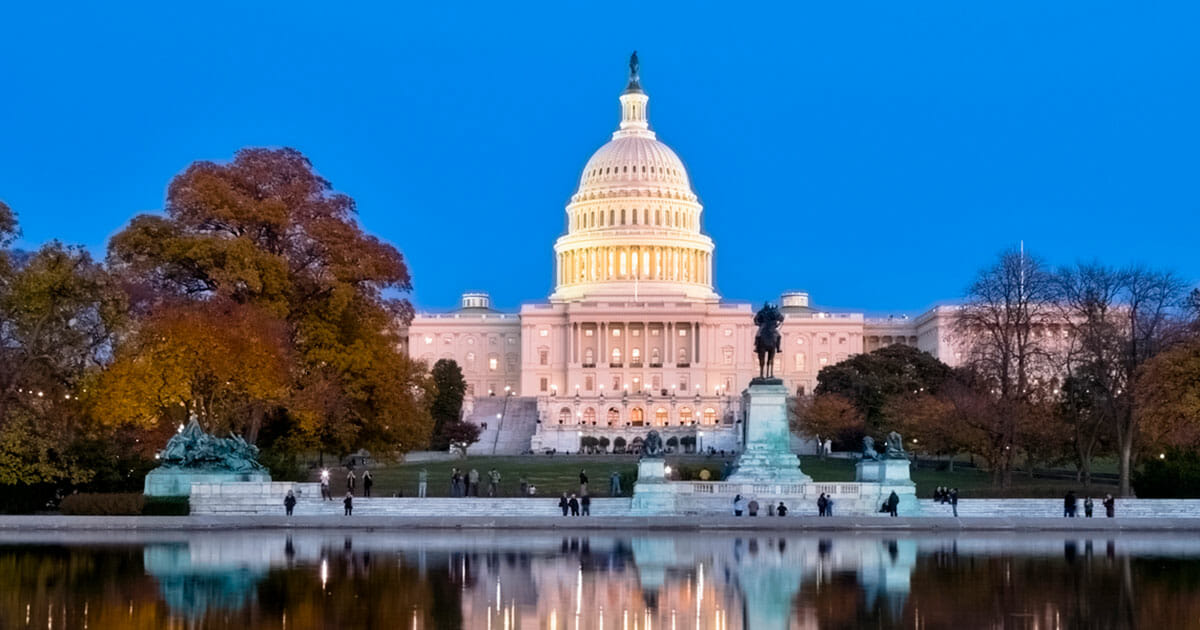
[(166, 506), (103, 504), (122, 504), (1176, 476)]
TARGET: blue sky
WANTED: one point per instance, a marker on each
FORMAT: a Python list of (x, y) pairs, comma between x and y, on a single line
[(886, 151)]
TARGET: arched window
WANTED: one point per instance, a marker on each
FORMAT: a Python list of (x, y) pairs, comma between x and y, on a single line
[(637, 416), (564, 416), (635, 356), (685, 415), (660, 417), (589, 415), (616, 356), (614, 416), (710, 415)]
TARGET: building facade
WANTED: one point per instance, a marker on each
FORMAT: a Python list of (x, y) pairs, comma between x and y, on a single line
[(634, 335)]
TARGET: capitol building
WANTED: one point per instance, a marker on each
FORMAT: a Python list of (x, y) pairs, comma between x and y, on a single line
[(634, 335)]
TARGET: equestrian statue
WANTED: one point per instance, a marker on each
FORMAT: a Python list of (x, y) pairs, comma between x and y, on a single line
[(768, 340)]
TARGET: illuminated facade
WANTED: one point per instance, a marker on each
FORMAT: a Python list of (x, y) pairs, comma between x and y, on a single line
[(635, 335)]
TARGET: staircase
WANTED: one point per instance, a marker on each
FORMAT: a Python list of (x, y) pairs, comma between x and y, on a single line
[(511, 422), (309, 505)]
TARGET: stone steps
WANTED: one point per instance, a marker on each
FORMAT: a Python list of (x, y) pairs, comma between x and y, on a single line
[(388, 506), (1053, 508)]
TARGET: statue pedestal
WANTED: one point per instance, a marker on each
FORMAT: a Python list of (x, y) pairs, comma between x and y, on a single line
[(892, 475), (652, 493), (177, 482), (767, 456), (883, 471)]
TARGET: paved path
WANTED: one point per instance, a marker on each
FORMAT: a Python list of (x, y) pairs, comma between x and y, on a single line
[(599, 523)]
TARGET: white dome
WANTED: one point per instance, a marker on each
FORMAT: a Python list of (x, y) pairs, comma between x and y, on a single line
[(634, 161)]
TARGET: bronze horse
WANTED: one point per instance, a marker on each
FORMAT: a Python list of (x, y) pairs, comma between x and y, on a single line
[(767, 341)]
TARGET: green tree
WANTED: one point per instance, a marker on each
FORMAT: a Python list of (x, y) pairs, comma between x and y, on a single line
[(445, 406), (869, 380)]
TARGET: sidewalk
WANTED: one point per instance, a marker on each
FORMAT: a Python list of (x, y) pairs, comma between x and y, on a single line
[(599, 523)]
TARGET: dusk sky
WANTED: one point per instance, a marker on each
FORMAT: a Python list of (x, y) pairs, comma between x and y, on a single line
[(875, 154)]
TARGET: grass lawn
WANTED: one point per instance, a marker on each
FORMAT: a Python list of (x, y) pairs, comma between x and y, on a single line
[(554, 474)]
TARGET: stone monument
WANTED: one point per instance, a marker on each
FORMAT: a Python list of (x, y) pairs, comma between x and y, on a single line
[(194, 456), (767, 455), (891, 471), (652, 494)]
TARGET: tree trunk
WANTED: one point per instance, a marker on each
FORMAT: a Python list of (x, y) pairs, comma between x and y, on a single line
[(950, 466), (1126, 465)]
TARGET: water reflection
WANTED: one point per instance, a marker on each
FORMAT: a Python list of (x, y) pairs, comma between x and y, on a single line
[(504, 581)]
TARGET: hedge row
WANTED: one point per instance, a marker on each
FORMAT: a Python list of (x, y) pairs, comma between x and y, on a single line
[(122, 504)]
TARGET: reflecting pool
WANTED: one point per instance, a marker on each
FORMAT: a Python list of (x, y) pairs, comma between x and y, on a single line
[(505, 580)]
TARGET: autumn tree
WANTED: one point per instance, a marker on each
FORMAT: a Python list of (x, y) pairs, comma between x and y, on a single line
[(1168, 398), (59, 314), (828, 416), (264, 231), (1118, 319), (1001, 322)]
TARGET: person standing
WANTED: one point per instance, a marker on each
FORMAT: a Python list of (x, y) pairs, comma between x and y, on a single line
[(326, 495), (350, 481), (574, 505), (289, 502), (473, 480), (1087, 507), (1069, 504), (368, 481), (585, 505), (828, 505), (821, 503), (565, 504), (348, 502), (422, 483), (493, 483), (753, 507), (954, 501), (614, 484), (770, 509), (456, 483), (524, 487), (583, 481), (738, 505), (781, 509), (1110, 506), (893, 502)]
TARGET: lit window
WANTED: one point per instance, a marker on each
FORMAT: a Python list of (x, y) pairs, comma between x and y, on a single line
[(682, 332), (616, 355), (564, 415), (587, 333), (799, 341), (428, 340), (685, 415), (635, 355), (589, 416), (614, 416), (470, 341), (616, 332), (799, 361), (653, 332), (728, 332), (635, 332), (824, 360), (493, 363), (660, 416), (710, 415), (727, 355), (545, 332)]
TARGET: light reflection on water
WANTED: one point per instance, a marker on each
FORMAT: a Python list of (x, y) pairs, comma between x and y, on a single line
[(510, 580)]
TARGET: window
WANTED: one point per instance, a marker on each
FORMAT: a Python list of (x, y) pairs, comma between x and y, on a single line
[(470, 341), (545, 332), (824, 360), (710, 415), (587, 333), (841, 340), (614, 416), (799, 361), (636, 416), (682, 332), (656, 382), (616, 332), (589, 382), (588, 356), (543, 356), (493, 363), (799, 341), (655, 356), (635, 355), (660, 416), (510, 362), (470, 360), (635, 332), (589, 416), (616, 356), (616, 384), (564, 415), (543, 384), (447, 340), (727, 355), (512, 341), (428, 340), (728, 332), (683, 357), (654, 332), (685, 415)]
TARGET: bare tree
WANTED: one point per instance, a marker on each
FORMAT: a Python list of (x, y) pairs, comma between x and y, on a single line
[(1002, 323)]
